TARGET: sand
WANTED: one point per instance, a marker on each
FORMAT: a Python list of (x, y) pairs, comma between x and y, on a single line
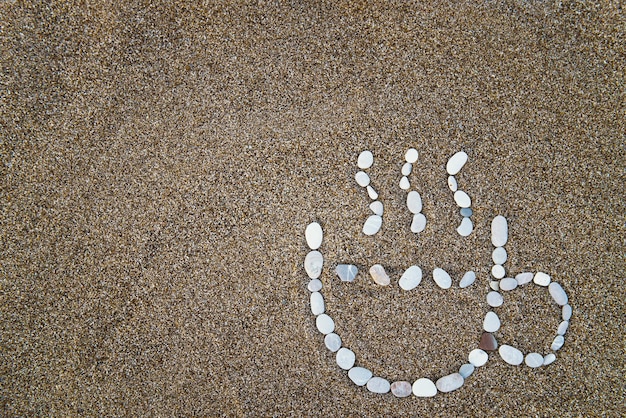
[(161, 162)]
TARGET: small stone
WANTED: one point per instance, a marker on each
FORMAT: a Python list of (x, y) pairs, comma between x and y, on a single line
[(450, 382), (424, 388), (549, 359), (332, 342), (466, 370), (534, 360), (511, 355), (524, 278), (566, 312), (345, 358), (562, 329), (508, 283), (499, 255), (372, 193), (498, 271), (494, 299), (488, 342), (378, 385), (377, 207), (362, 179), (478, 357), (466, 227), (494, 285), (401, 389), (313, 263), (467, 280), (346, 272), (499, 231), (411, 278), (379, 275), (542, 279), (411, 155), (452, 184), (365, 160), (419, 223), (315, 285), (406, 169), (462, 199), (325, 324), (314, 235), (467, 212), (414, 202), (404, 183), (359, 375), (372, 225), (456, 163), (442, 278), (558, 294), (317, 303), (558, 342), (491, 323)]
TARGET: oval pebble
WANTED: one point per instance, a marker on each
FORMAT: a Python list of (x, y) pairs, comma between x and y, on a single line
[(498, 271), (362, 179), (450, 382), (549, 359), (372, 225), (542, 279), (488, 342), (499, 255), (325, 324), (345, 358), (508, 283), (414, 202), (424, 388), (456, 163), (499, 231), (442, 278), (401, 389), (317, 303), (494, 299), (404, 183), (419, 223), (466, 227), (332, 341), (478, 357), (365, 160), (511, 355), (346, 272), (378, 385), (462, 199), (533, 360), (377, 207), (313, 263), (558, 294), (494, 285), (466, 370), (359, 375), (373, 194), (452, 183), (566, 312), (379, 275), (411, 155), (558, 342), (411, 278), (467, 280), (314, 235), (406, 169), (524, 278), (491, 323), (315, 285), (467, 212)]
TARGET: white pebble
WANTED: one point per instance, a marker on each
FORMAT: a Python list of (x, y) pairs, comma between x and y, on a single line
[(359, 375), (452, 183), (419, 223), (314, 235), (346, 272), (466, 227), (456, 163), (499, 255), (377, 207), (542, 279), (345, 358), (491, 323), (562, 329), (313, 263), (372, 193), (362, 179), (533, 360), (325, 324), (411, 155), (462, 199), (494, 299), (424, 388), (365, 160), (315, 285), (467, 280), (558, 342), (511, 355), (411, 278), (497, 271), (566, 312), (372, 225), (404, 183), (442, 278), (379, 275), (450, 382), (499, 231), (317, 303), (332, 342), (378, 385), (406, 169), (557, 293), (466, 370), (414, 202), (508, 283), (478, 357), (494, 285), (524, 278), (549, 359)]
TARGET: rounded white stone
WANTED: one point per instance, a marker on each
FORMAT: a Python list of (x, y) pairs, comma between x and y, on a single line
[(494, 299), (359, 375), (558, 342), (524, 278), (378, 385), (377, 207), (499, 255), (467, 280), (379, 275), (372, 225), (478, 357), (372, 193), (542, 279), (491, 323), (401, 389), (450, 382), (411, 278), (452, 184), (466, 370), (511, 355), (332, 342), (562, 329), (346, 272), (362, 179), (315, 285), (494, 285), (442, 278), (411, 155), (325, 324), (533, 360), (462, 199), (406, 169), (365, 160), (414, 202), (313, 263), (508, 283), (566, 312), (424, 388), (549, 359), (419, 223), (466, 227), (404, 183), (317, 303), (456, 163), (498, 271), (314, 235), (345, 358), (557, 293), (499, 231)]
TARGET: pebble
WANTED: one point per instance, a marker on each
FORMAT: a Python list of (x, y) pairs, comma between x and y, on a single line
[(466, 370), (494, 299), (508, 283), (411, 155), (499, 231), (566, 312), (491, 323), (325, 324), (498, 271), (346, 272), (456, 163), (462, 199), (499, 255), (467, 212), (465, 228), (524, 278), (558, 294), (494, 285), (450, 382), (401, 389), (478, 357), (345, 358), (542, 279), (467, 280), (317, 303), (372, 225), (533, 360), (488, 342), (424, 388), (332, 342), (313, 263), (558, 342), (406, 169), (314, 235), (378, 385), (549, 359), (419, 223), (414, 202), (359, 375), (442, 278), (362, 179), (404, 183), (452, 184), (377, 207), (365, 160), (511, 355), (411, 278), (372, 193), (315, 285), (379, 275)]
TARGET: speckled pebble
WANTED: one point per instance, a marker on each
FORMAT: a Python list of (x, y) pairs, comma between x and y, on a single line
[(442, 278), (424, 388), (345, 358), (511, 355), (315, 285), (359, 375), (401, 389), (325, 324), (332, 341), (533, 360), (466, 370), (491, 323), (450, 382), (365, 160), (378, 385), (542, 279), (467, 280), (558, 342), (508, 283)]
